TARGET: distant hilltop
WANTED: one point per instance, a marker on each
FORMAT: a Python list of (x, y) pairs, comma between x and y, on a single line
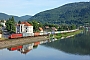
[(72, 13), (4, 16)]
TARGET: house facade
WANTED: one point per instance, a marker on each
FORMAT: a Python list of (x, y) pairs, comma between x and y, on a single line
[(24, 27), (2, 22)]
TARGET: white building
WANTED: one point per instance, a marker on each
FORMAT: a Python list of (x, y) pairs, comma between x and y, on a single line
[(0, 35), (24, 27), (26, 48), (3, 24)]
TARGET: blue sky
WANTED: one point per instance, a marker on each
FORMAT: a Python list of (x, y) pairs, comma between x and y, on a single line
[(31, 7)]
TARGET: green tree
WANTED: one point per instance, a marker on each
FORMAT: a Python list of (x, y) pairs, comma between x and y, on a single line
[(10, 25), (36, 25), (73, 27), (19, 22)]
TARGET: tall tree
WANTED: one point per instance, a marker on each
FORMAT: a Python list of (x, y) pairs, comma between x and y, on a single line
[(10, 25)]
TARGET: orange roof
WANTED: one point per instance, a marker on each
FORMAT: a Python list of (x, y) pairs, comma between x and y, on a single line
[(40, 29), (26, 23)]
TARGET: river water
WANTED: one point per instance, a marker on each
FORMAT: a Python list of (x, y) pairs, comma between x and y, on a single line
[(74, 48)]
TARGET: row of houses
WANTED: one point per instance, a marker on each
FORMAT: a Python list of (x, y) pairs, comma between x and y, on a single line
[(25, 27)]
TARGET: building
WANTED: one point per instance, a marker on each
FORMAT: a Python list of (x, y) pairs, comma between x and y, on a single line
[(2, 22), (0, 35), (54, 29), (26, 48), (41, 29), (24, 27)]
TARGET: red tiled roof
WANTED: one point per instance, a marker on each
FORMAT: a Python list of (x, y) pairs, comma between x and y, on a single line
[(41, 29), (26, 23)]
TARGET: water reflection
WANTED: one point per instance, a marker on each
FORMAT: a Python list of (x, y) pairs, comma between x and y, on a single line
[(24, 49), (80, 44)]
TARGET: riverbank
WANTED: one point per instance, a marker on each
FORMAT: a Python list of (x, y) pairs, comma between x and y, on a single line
[(14, 42), (66, 35)]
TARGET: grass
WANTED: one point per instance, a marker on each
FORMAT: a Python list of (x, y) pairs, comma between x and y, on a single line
[(3, 38), (58, 36)]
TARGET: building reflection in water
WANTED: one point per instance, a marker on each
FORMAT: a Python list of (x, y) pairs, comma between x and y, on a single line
[(24, 49), (78, 45)]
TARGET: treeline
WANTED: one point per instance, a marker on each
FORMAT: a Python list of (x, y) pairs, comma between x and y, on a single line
[(61, 27), (11, 26)]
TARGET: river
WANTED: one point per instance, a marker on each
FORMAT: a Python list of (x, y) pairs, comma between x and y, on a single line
[(73, 48)]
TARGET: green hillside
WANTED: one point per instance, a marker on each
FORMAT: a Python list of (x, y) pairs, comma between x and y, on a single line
[(4, 16), (72, 13)]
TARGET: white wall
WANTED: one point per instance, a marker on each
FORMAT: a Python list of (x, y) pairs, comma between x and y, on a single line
[(29, 29), (24, 29), (3, 24), (0, 35)]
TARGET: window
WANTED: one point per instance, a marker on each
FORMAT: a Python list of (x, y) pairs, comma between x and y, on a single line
[(26, 27), (26, 30), (21, 28)]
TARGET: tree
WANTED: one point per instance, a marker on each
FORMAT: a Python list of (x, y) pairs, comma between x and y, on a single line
[(36, 25), (19, 22), (73, 27), (10, 25)]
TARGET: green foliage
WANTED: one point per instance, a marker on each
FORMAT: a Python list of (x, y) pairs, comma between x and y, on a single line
[(0, 31), (79, 44), (67, 27), (10, 25), (4, 16), (19, 22), (51, 25), (73, 13), (1, 25), (36, 25)]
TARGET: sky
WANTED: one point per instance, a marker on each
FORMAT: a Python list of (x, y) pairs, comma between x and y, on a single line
[(31, 7)]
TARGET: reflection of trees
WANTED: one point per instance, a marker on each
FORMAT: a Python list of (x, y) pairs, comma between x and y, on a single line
[(34, 47), (79, 44)]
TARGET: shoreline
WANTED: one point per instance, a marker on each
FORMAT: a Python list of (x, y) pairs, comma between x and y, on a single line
[(21, 41), (66, 35)]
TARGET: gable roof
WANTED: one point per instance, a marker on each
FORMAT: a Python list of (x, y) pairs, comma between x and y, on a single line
[(26, 24)]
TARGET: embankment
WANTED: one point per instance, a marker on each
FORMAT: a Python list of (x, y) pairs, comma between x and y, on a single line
[(21, 41), (65, 35)]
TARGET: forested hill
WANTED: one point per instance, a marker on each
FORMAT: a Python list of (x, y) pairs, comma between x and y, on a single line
[(72, 13), (4, 16)]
